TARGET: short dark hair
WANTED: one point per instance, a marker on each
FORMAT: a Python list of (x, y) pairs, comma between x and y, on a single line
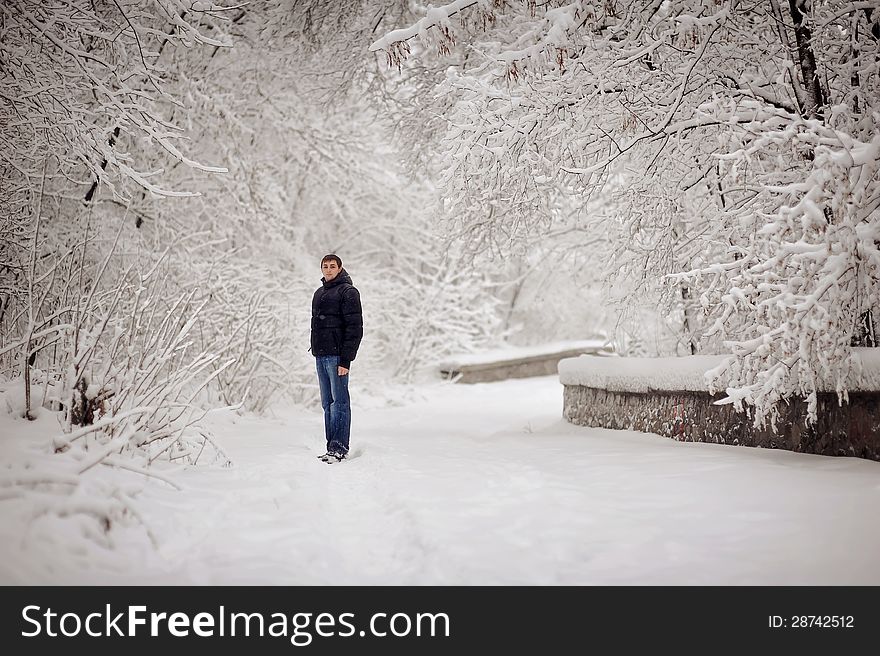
[(332, 256)]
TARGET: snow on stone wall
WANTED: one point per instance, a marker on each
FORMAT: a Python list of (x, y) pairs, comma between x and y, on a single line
[(638, 374), (511, 353), (687, 373)]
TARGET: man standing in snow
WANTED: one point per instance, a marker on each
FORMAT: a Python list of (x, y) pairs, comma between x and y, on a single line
[(337, 329)]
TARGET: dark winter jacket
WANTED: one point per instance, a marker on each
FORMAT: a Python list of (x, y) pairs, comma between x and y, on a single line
[(337, 322)]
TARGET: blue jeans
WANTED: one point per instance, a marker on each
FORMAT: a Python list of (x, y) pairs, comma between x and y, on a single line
[(335, 401)]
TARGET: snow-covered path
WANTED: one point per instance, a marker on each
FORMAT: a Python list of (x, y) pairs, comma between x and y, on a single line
[(486, 484)]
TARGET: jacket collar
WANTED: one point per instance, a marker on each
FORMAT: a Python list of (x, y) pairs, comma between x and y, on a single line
[(340, 278)]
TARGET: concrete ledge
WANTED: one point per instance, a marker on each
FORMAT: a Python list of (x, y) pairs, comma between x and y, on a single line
[(852, 429), (514, 363)]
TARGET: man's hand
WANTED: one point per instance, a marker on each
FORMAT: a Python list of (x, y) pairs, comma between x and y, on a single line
[(342, 371)]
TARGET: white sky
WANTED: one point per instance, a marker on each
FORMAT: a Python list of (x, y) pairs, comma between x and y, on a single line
[(466, 484)]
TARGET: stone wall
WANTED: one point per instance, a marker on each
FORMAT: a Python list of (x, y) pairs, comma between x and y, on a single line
[(852, 429), (487, 373), (540, 364)]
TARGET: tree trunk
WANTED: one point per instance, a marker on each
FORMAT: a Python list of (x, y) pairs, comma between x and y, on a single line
[(94, 187), (866, 331), (814, 96), (686, 305)]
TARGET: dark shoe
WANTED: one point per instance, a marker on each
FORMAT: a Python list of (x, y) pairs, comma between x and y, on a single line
[(334, 457)]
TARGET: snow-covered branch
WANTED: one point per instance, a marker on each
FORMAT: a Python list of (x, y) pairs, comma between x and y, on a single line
[(736, 146)]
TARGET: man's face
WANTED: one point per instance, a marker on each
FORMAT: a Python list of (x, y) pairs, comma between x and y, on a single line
[(330, 269)]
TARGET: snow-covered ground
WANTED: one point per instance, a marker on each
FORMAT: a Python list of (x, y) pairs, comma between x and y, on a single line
[(472, 484)]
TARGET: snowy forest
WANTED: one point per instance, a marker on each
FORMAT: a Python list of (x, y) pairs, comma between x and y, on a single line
[(675, 177)]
